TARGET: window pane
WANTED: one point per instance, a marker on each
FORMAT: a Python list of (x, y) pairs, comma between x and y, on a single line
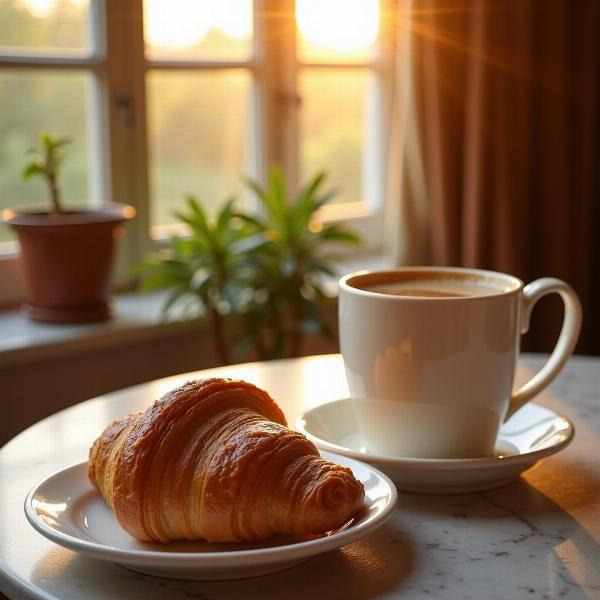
[(337, 30), (198, 130), (198, 29), (33, 101), (332, 128), (56, 27)]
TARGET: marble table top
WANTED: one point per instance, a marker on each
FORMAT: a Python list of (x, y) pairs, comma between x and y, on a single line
[(536, 538)]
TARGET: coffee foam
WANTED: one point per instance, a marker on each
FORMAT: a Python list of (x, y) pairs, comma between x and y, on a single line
[(434, 288), (457, 282)]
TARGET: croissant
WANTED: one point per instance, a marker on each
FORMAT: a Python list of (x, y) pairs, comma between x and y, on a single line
[(214, 460)]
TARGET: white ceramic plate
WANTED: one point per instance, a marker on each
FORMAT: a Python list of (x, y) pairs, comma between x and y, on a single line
[(532, 433), (69, 511)]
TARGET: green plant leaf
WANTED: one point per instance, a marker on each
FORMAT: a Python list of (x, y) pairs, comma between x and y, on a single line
[(160, 281), (30, 170), (273, 198), (52, 142), (46, 139), (249, 244), (254, 222), (324, 199), (172, 298), (61, 142), (146, 266), (336, 233), (277, 189), (182, 247), (224, 217), (258, 190), (304, 206), (48, 164), (202, 237), (199, 279), (197, 219)]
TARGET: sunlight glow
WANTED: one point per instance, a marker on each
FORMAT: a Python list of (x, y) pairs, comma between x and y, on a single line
[(40, 8), (234, 17), (180, 24), (339, 25), (177, 23), (45, 8)]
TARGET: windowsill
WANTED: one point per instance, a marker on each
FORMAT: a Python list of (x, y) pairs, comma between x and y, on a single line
[(136, 318)]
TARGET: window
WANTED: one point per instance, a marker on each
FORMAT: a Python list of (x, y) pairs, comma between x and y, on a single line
[(341, 76), (168, 97), (50, 53), (200, 73)]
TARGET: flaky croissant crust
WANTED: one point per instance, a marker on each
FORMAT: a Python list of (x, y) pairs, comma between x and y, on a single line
[(214, 459)]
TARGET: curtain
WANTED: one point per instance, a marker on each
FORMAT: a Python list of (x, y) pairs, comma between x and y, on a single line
[(496, 155)]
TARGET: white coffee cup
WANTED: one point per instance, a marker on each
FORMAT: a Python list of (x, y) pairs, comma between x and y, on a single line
[(433, 376)]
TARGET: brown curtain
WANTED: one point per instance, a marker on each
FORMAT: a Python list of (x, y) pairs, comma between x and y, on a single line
[(507, 94)]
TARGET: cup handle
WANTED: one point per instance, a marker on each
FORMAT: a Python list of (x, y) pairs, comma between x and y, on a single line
[(566, 340)]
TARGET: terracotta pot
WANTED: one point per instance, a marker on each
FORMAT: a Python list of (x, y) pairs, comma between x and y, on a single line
[(67, 260)]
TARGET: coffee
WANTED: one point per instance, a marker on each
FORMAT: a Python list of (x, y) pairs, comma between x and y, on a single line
[(434, 288)]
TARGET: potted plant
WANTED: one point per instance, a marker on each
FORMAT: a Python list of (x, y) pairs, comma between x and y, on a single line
[(259, 278), (66, 254)]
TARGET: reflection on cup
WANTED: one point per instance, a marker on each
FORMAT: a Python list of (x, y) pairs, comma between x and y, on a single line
[(398, 363), (425, 430)]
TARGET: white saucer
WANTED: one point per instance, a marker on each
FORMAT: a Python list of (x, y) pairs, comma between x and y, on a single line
[(532, 433), (69, 511)]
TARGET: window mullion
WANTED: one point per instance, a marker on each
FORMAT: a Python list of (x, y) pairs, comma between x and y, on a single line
[(100, 188), (125, 102), (48, 62), (97, 28), (199, 64), (387, 101), (277, 78)]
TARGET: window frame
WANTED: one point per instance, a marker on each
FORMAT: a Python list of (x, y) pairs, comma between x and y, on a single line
[(118, 131)]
